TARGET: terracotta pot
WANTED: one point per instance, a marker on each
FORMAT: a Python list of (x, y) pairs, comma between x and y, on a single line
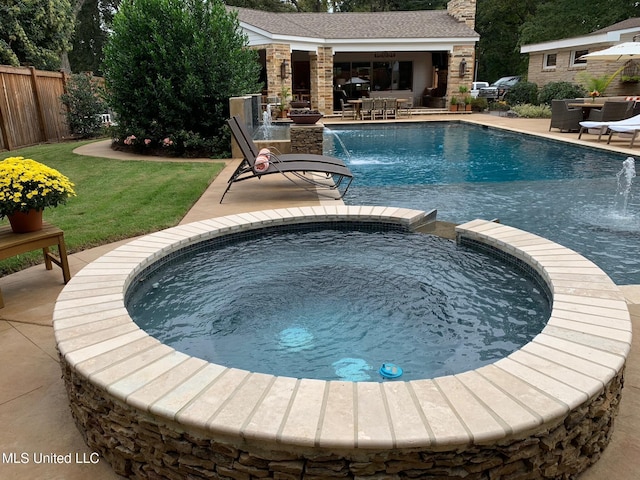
[(26, 222)]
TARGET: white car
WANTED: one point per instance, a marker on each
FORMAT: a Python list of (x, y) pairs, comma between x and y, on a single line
[(476, 86)]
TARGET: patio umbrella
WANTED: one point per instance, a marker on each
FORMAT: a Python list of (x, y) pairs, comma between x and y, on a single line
[(356, 81), (622, 52)]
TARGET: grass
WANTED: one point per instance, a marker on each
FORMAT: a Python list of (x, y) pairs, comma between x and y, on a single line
[(116, 199)]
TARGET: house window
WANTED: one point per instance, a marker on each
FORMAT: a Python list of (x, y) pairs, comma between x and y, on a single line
[(575, 57), (550, 61)]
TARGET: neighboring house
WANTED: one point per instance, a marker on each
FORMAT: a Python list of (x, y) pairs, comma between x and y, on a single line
[(394, 54), (559, 60)]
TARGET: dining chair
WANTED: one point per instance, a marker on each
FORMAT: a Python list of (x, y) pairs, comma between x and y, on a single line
[(367, 108)]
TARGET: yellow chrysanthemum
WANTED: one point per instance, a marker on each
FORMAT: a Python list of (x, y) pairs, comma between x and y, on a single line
[(26, 184)]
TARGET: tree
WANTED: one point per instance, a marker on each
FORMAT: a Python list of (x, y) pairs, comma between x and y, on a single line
[(555, 19), (498, 23), (170, 68), (93, 22), (35, 32)]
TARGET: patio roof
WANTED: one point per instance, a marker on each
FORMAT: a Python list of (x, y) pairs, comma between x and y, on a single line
[(329, 28)]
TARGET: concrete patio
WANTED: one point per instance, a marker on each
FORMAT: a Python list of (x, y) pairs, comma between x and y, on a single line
[(34, 409)]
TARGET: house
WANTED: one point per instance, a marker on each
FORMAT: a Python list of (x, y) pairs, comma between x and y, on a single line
[(320, 57), (559, 60)]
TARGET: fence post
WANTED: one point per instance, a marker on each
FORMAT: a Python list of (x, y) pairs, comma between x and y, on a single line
[(4, 115), (38, 102)]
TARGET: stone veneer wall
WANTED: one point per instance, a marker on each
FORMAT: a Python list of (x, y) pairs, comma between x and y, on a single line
[(321, 66), (276, 53), (306, 138), (140, 445), (464, 11), (455, 80)]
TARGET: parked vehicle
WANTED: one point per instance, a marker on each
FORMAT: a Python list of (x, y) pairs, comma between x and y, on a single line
[(498, 89), (475, 88)]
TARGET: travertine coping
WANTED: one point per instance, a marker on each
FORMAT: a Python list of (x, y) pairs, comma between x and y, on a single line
[(582, 348)]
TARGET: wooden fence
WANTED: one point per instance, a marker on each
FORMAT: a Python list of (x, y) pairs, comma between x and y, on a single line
[(30, 108)]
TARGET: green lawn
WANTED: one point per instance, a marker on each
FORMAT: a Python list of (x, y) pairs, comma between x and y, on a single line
[(115, 199)]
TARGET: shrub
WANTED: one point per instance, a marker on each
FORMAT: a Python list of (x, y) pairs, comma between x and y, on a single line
[(522, 92), (84, 101), (479, 104), (559, 91), (527, 110), (171, 67)]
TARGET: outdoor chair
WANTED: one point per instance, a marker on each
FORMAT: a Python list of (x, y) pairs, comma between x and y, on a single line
[(347, 110), (610, 113), (563, 117), (390, 107), (378, 108), (294, 170), (367, 108)]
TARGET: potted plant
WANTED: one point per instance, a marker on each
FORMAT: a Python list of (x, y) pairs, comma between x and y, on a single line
[(453, 106), (26, 188), (467, 103), (283, 105)]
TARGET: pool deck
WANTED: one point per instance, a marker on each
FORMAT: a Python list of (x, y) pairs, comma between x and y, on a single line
[(34, 408)]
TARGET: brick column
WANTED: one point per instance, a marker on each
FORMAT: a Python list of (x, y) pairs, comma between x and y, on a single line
[(454, 79)]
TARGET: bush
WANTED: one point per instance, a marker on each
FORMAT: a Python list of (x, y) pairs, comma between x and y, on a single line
[(171, 67), (526, 110), (559, 91), (84, 101), (522, 92), (479, 104)]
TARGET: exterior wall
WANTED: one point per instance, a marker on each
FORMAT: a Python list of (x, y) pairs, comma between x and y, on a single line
[(321, 66), (455, 81), (463, 10), (565, 73)]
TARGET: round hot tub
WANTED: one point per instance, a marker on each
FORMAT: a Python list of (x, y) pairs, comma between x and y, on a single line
[(150, 410)]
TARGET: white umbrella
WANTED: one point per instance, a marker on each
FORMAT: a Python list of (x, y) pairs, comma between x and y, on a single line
[(356, 80), (621, 52)]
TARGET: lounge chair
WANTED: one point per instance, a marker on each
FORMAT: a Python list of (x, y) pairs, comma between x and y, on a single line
[(294, 170), (240, 133), (610, 112), (603, 126), (632, 130)]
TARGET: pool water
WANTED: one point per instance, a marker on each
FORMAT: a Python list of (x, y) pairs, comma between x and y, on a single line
[(568, 194), (335, 304)]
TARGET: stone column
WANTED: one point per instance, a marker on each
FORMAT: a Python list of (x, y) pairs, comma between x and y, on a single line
[(454, 80), (275, 55), (321, 65)]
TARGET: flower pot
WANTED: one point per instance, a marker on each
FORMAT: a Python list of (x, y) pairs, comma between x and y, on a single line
[(22, 222)]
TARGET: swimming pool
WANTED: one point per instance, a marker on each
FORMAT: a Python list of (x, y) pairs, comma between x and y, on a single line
[(563, 192)]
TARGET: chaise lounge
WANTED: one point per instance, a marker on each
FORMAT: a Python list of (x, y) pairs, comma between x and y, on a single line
[(295, 168)]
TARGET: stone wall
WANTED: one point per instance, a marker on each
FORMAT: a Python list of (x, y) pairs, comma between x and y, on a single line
[(464, 11), (140, 445), (454, 79), (306, 138), (276, 53), (321, 65)]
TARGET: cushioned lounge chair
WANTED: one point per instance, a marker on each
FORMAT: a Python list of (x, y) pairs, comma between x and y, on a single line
[(603, 126), (632, 130), (335, 178), (239, 131), (610, 112)]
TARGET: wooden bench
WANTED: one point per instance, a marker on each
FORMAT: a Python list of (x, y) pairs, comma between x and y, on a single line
[(12, 244)]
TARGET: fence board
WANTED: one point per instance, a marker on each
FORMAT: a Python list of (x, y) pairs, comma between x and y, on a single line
[(30, 108)]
